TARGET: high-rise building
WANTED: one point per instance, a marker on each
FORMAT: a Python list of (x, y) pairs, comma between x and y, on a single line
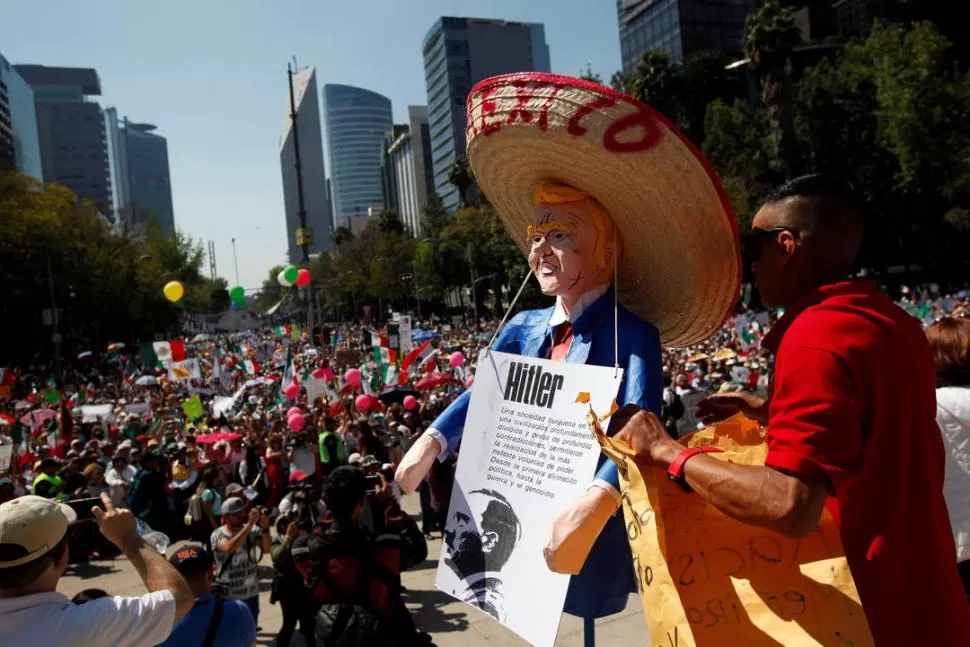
[(679, 27), (407, 169), (140, 173), (458, 53), (71, 131), (312, 172), (19, 144), (357, 122)]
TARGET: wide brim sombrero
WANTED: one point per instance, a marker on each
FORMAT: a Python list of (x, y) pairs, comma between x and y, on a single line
[(680, 266)]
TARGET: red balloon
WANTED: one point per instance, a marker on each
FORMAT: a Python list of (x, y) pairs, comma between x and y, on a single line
[(352, 377), (410, 402), (295, 422), (302, 277), (291, 391), (363, 402)]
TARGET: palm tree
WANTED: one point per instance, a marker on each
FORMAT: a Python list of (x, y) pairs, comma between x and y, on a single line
[(656, 82), (341, 235), (770, 35), (461, 176)]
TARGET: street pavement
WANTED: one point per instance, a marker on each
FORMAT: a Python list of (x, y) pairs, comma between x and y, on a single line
[(451, 623)]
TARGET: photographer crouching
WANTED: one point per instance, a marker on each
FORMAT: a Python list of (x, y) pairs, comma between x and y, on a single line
[(354, 575)]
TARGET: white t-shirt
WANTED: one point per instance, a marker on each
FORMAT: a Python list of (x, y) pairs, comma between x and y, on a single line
[(51, 620), (114, 479), (303, 460), (241, 576)]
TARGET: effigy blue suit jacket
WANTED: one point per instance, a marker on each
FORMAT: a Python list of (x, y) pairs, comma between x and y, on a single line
[(607, 577)]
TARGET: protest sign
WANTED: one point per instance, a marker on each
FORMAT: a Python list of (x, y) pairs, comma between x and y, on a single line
[(708, 580), (526, 454), (404, 329), (141, 409), (92, 412), (348, 358), (193, 408), (6, 454)]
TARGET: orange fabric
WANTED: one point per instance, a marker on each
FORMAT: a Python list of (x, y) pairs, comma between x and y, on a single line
[(562, 340)]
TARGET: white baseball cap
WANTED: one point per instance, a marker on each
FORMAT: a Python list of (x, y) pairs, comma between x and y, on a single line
[(30, 526)]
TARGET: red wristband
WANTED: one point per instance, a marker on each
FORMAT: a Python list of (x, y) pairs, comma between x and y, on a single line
[(676, 470)]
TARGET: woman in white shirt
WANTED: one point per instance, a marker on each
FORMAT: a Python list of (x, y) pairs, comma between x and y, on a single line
[(950, 340), (119, 478)]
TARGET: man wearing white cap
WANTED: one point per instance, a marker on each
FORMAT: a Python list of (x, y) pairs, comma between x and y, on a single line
[(33, 557)]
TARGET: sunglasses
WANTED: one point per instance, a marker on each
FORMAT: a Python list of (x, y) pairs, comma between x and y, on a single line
[(751, 240)]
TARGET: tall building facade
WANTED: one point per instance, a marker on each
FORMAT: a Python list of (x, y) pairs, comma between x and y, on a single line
[(19, 143), (316, 202), (679, 27), (357, 121), (458, 53), (408, 179), (71, 131)]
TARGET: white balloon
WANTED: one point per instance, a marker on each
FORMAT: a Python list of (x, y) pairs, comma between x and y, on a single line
[(282, 280)]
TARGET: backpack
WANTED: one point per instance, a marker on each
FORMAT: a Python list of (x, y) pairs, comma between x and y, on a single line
[(675, 410)]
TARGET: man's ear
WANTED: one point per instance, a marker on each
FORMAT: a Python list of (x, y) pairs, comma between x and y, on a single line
[(489, 541)]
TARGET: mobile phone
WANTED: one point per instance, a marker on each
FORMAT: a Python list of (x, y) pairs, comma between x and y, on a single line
[(373, 482)]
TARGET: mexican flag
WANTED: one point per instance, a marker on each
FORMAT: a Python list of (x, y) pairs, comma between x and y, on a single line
[(282, 330), (288, 373), (384, 356), (169, 351), (251, 366), (418, 356)]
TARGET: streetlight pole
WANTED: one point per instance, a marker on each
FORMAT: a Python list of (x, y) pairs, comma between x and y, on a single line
[(235, 264), (55, 320), (301, 213)]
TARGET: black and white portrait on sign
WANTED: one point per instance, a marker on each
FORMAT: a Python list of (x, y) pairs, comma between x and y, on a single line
[(479, 540)]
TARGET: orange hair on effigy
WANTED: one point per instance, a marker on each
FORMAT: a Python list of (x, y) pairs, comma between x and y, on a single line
[(550, 193)]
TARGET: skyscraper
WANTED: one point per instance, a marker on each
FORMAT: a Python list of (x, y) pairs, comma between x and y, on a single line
[(312, 173), (71, 130), (357, 122), (679, 27), (140, 173), (19, 143), (458, 53), (407, 168)]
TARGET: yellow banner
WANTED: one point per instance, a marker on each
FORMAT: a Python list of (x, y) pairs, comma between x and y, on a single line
[(708, 580)]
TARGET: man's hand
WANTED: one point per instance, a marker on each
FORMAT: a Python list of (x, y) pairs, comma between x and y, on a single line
[(645, 435), (724, 405), (118, 526), (254, 516), (292, 532)]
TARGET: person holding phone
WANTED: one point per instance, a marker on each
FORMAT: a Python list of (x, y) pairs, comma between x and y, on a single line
[(234, 546)]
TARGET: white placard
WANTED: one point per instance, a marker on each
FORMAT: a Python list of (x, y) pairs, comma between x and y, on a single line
[(92, 412), (6, 454), (526, 453), (404, 329)]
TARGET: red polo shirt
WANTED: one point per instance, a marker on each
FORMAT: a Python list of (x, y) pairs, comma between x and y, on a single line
[(853, 401)]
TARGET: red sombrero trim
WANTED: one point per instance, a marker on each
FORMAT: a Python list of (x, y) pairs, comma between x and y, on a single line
[(607, 98)]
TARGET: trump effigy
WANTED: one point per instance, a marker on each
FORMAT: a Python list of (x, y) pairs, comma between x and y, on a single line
[(627, 226)]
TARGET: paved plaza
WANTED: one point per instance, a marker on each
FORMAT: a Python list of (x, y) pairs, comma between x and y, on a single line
[(451, 623)]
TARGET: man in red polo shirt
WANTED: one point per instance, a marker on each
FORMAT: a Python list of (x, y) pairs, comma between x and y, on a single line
[(851, 422)]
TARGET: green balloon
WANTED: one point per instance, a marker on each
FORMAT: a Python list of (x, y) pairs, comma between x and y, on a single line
[(290, 273), (237, 293)]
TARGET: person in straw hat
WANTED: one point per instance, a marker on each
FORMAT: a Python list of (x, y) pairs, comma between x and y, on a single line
[(609, 202)]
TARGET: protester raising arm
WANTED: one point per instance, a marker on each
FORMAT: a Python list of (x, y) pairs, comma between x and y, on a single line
[(231, 545), (120, 528)]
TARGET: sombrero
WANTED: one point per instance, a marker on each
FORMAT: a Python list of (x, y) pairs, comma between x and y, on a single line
[(680, 267)]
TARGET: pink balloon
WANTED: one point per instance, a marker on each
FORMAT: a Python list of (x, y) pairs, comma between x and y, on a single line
[(457, 359), (296, 422), (294, 411), (362, 402), (352, 377), (291, 391), (302, 277), (470, 381), (410, 402)]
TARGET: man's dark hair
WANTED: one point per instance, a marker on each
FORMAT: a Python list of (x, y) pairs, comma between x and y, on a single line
[(343, 490), (832, 198), (87, 595), (17, 577)]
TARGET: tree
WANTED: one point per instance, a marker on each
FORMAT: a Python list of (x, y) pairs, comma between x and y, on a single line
[(461, 176), (703, 80), (589, 75), (271, 291), (620, 81), (341, 235), (770, 35), (389, 223), (657, 82)]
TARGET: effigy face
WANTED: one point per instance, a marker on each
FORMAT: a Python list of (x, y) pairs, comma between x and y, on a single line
[(570, 249)]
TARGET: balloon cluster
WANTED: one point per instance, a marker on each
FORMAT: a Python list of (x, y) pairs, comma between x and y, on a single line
[(292, 275)]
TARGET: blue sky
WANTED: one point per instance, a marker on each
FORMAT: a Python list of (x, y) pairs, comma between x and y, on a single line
[(211, 74)]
